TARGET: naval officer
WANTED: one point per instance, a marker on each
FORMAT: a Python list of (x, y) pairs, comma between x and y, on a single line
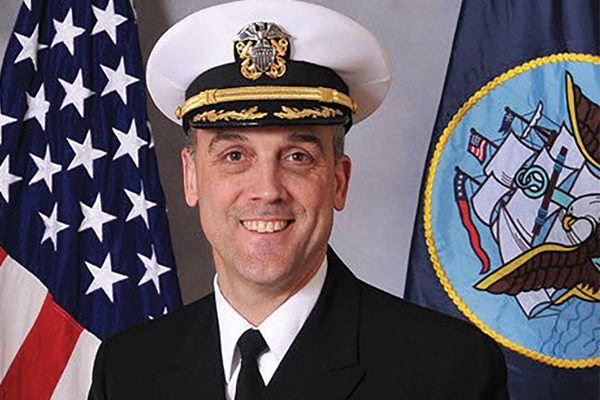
[(265, 92)]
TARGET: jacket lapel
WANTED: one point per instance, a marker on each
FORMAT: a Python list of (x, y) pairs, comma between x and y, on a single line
[(323, 359), (196, 370)]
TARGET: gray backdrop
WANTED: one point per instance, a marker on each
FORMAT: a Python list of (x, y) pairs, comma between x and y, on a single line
[(372, 235)]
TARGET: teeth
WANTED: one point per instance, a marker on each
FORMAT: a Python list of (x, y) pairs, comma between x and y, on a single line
[(265, 226)]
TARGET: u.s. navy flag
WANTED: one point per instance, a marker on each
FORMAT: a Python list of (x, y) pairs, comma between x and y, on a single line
[(84, 241), (517, 140)]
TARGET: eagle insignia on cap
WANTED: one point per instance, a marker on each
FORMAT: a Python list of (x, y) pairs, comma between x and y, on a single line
[(262, 47)]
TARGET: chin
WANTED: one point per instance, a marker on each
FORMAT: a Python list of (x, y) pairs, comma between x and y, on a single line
[(268, 270)]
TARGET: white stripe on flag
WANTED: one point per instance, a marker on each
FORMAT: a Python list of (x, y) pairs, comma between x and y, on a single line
[(21, 299), (75, 381)]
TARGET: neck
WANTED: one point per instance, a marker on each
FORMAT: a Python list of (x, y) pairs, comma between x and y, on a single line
[(255, 302)]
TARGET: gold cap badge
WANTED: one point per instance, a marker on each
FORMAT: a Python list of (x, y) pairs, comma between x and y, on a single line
[(262, 47)]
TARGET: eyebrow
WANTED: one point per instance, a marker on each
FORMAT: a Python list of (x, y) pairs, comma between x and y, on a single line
[(298, 137), (221, 136), (307, 137)]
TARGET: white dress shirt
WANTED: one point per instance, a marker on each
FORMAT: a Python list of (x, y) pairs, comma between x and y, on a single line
[(279, 329)]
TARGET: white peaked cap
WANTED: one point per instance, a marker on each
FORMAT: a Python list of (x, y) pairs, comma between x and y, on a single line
[(318, 35)]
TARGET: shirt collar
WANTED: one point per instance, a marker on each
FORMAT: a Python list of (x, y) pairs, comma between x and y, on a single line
[(279, 329)]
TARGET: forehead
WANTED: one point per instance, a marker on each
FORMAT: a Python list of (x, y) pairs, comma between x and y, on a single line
[(316, 134)]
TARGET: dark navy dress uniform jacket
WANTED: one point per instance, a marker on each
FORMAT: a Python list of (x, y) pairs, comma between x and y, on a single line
[(357, 343)]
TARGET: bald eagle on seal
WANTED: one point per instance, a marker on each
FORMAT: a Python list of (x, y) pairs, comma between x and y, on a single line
[(557, 266)]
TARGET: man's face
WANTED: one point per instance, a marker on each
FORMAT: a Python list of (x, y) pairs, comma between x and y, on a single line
[(266, 197)]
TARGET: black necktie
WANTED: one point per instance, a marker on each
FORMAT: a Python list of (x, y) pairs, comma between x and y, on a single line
[(250, 384)]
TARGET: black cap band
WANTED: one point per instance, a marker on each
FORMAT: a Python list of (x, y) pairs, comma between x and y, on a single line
[(305, 94)]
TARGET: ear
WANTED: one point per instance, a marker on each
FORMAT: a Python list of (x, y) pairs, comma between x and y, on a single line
[(190, 184), (341, 181)]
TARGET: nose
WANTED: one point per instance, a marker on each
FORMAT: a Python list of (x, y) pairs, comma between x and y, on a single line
[(267, 183)]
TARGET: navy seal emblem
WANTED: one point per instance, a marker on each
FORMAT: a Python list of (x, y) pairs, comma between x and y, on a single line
[(520, 256)]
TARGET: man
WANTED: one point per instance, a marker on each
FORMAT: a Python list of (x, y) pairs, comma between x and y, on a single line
[(271, 87)]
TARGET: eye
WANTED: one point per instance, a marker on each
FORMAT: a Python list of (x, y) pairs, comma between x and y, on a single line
[(234, 156), (299, 157)]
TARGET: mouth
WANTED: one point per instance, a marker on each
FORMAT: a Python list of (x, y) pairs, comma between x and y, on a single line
[(262, 226)]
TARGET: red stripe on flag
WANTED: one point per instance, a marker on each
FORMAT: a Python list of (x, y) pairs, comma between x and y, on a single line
[(2, 256), (463, 206), (41, 360)]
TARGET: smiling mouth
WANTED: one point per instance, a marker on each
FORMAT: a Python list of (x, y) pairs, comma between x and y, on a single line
[(266, 226)]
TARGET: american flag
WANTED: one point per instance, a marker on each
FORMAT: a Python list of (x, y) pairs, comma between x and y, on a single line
[(84, 239), (478, 145)]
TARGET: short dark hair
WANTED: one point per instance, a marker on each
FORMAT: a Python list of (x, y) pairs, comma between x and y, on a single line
[(339, 139)]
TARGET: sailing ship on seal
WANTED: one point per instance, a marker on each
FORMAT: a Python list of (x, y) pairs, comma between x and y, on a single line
[(539, 198)]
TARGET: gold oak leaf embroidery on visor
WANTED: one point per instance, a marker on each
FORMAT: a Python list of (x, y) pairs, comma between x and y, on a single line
[(295, 113), (260, 93), (227, 115)]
